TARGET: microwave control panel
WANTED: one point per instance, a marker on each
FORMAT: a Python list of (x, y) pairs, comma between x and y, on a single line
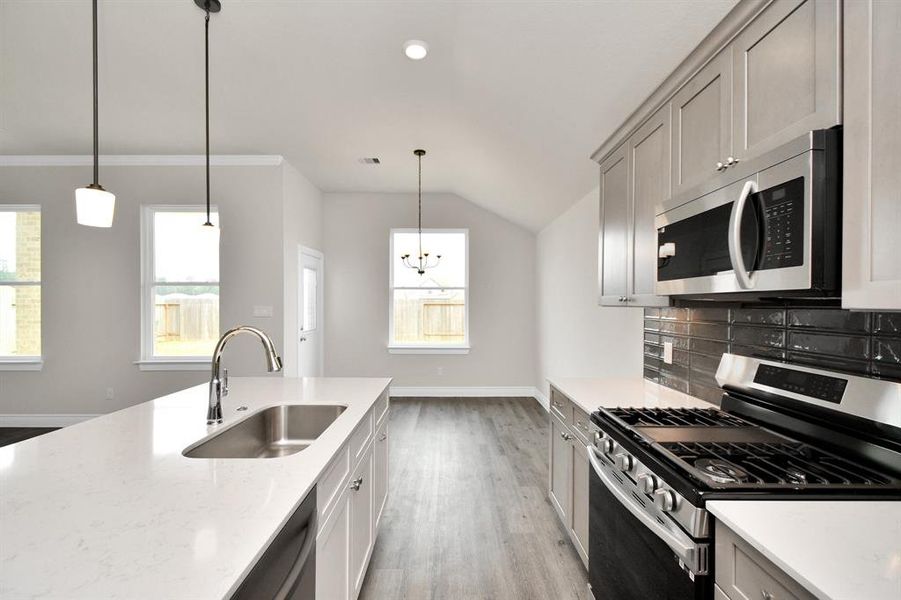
[(782, 208)]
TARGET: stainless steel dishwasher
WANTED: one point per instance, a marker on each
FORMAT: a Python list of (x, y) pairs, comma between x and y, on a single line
[(287, 570)]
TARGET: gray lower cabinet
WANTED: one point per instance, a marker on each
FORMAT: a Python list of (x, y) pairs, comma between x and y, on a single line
[(559, 467), (871, 271), (568, 469), (743, 573), (352, 494), (702, 124), (786, 75)]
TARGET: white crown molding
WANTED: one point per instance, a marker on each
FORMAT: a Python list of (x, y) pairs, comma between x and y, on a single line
[(141, 160), (43, 420)]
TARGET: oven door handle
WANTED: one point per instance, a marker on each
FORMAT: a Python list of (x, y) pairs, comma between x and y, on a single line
[(738, 263), (691, 555)]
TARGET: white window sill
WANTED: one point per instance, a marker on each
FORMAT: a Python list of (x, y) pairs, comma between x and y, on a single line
[(161, 364), (21, 364), (428, 349)]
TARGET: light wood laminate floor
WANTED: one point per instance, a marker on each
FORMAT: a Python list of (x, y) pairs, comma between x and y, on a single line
[(467, 514)]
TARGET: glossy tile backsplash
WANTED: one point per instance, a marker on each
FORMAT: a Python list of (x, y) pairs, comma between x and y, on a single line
[(862, 343)]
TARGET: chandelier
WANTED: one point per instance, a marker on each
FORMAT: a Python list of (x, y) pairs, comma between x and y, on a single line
[(423, 261)]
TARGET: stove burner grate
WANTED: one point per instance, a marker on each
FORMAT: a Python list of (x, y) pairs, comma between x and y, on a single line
[(677, 417), (762, 464)]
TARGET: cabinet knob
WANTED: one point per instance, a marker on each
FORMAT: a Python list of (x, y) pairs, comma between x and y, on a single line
[(731, 161), (356, 483), (720, 166), (767, 595), (565, 436), (383, 437)]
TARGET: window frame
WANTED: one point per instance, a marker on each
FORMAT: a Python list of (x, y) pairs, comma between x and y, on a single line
[(26, 363), (147, 361), (433, 348)]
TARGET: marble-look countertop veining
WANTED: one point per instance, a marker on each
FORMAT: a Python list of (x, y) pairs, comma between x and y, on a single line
[(837, 550), (109, 508), (591, 393)]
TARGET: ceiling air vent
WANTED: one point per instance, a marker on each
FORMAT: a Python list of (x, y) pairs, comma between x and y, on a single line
[(370, 160)]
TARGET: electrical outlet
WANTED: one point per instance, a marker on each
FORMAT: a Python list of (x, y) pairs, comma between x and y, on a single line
[(262, 311), (110, 395), (668, 352)]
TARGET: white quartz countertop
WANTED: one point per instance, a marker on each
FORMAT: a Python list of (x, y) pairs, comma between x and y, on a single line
[(110, 508), (591, 393), (837, 550)]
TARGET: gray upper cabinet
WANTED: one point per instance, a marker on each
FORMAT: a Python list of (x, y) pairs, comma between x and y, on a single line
[(614, 232), (786, 75), (702, 124), (649, 155), (871, 271)]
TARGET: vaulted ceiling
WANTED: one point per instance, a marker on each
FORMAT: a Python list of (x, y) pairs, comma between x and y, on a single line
[(509, 103)]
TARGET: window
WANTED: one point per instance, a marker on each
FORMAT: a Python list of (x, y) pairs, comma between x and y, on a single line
[(20, 284), (430, 312), (180, 291)]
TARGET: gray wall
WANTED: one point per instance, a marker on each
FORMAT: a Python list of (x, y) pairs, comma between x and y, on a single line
[(91, 277), (502, 289), (576, 337)]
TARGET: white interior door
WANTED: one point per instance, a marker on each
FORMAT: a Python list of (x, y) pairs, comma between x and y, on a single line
[(309, 294)]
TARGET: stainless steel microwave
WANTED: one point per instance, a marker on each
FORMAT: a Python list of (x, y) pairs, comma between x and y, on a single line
[(773, 231)]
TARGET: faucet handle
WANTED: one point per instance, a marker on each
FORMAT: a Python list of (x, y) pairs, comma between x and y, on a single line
[(225, 382)]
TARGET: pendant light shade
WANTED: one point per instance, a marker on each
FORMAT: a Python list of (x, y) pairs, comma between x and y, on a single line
[(94, 206), (423, 261)]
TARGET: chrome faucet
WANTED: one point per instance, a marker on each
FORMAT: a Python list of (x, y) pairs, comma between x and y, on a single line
[(219, 380)]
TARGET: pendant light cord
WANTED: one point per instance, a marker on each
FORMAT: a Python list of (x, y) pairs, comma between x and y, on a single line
[(420, 208), (206, 28), (96, 107)]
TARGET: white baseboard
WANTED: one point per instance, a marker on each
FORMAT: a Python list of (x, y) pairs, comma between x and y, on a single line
[(525, 391), (42, 420), (542, 400)]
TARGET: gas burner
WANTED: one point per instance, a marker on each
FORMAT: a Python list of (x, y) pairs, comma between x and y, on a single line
[(676, 417), (765, 465), (721, 471)]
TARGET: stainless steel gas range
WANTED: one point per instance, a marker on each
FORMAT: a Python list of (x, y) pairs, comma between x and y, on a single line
[(783, 431)]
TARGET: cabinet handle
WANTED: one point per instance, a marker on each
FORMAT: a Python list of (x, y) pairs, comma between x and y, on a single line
[(558, 404), (565, 436), (356, 483), (767, 595), (383, 437)]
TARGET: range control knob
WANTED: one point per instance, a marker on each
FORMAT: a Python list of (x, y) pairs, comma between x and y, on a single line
[(607, 446), (648, 483), (623, 462), (665, 500)]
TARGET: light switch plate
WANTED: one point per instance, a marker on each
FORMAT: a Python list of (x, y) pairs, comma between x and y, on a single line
[(668, 352), (262, 311)]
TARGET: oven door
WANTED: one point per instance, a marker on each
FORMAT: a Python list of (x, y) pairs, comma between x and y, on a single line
[(751, 236), (636, 552)]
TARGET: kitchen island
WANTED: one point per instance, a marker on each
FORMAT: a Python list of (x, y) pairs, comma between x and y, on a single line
[(111, 508)]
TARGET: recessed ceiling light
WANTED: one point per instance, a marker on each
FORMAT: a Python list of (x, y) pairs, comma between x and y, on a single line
[(415, 49)]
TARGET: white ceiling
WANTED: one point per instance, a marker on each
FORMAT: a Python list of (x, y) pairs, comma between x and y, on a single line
[(511, 100)]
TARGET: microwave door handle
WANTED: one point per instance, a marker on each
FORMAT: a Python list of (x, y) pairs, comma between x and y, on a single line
[(738, 263), (687, 551)]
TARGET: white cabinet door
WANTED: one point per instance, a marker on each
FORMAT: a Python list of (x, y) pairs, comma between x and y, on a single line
[(579, 521), (649, 154), (332, 553), (787, 75), (559, 468), (360, 521), (380, 473), (871, 271), (615, 224), (702, 124)]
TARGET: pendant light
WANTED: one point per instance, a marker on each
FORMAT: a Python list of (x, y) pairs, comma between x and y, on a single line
[(94, 206), (423, 261), (208, 6)]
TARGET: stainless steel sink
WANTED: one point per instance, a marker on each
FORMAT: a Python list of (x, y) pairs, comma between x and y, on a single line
[(272, 432)]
